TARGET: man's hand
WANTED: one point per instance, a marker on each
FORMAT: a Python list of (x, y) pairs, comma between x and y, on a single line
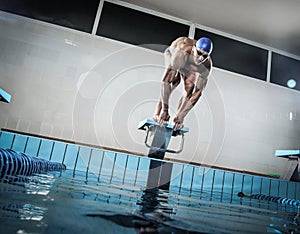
[(155, 118), (178, 122), (164, 118)]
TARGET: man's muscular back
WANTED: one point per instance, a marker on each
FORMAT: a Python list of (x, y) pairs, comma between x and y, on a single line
[(179, 52), (184, 44)]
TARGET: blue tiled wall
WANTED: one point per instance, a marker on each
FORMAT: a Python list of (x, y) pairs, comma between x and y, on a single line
[(133, 170)]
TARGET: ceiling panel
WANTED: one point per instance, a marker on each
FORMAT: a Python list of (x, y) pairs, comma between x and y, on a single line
[(274, 23)]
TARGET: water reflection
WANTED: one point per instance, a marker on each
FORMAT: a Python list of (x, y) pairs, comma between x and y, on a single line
[(152, 210), (16, 206), (148, 218)]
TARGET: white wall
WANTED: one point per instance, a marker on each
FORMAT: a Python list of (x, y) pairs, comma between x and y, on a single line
[(81, 87)]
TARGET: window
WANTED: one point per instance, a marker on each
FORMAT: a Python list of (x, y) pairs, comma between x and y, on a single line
[(285, 71), (138, 28), (237, 56), (79, 15)]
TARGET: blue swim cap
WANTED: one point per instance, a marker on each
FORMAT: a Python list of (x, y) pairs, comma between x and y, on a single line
[(205, 44)]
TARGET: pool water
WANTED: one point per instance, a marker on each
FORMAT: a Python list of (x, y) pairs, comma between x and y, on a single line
[(68, 202)]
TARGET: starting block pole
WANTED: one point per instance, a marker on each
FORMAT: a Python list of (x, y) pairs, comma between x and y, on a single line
[(159, 171)]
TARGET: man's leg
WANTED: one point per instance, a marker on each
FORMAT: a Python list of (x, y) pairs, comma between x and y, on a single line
[(188, 88), (187, 101)]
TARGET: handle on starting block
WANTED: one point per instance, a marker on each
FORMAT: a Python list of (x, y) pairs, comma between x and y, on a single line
[(163, 149)]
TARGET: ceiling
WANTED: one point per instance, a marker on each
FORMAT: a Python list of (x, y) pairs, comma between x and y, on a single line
[(274, 23)]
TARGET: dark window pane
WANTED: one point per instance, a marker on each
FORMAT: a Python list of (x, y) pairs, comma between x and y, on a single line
[(138, 28), (285, 71), (236, 56), (78, 15)]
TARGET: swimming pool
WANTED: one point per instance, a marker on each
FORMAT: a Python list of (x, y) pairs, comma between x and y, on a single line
[(67, 202), (106, 192)]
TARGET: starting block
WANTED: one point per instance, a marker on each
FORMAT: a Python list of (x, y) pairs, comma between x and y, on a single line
[(159, 175), (162, 136), (293, 156)]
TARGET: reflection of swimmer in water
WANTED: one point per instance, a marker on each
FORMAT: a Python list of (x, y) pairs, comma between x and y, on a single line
[(147, 220), (156, 222), (152, 217), (142, 223)]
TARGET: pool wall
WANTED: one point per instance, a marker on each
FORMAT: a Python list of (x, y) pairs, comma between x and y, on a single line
[(116, 167), (81, 87)]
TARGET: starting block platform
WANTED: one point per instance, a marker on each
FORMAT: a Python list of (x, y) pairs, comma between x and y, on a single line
[(4, 96), (290, 154), (144, 124)]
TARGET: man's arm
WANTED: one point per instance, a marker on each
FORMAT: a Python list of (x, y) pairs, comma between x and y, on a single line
[(166, 90), (188, 105), (190, 100)]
